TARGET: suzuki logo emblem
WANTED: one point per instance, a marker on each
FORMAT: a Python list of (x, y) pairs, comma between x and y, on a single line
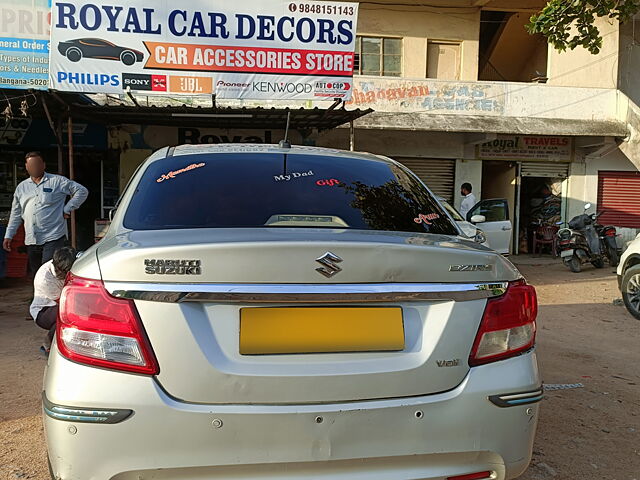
[(329, 263)]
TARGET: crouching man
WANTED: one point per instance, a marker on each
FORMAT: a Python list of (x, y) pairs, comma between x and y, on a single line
[(47, 286)]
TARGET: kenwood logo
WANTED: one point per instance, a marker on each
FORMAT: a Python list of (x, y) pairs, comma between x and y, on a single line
[(281, 87)]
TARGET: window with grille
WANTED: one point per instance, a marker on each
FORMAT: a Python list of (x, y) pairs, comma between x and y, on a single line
[(378, 56)]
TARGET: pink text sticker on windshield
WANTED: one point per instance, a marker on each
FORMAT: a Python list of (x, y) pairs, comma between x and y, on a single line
[(174, 173), (328, 182), (422, 218)]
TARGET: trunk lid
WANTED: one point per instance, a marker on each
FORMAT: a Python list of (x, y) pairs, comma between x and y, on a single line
[(197, 339)]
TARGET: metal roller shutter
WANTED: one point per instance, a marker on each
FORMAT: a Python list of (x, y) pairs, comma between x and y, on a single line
[(619, 198), (545, 170), (437, 173)]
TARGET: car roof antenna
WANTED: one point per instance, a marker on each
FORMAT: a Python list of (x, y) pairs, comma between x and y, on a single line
[(285, 143)]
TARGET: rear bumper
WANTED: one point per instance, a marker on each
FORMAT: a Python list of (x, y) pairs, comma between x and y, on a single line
[(428, 437)]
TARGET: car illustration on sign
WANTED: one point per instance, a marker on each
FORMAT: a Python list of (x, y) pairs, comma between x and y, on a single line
[(76, 50)]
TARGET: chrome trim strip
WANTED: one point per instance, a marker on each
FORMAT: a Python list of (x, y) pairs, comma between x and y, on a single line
[(521, 395), (304, 293), (515, 399), (82, 414)]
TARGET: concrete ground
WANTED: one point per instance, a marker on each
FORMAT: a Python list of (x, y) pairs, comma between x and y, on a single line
[(584, 433)]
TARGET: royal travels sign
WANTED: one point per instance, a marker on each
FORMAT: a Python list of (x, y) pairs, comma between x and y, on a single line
[(527, 147), (256, 49)]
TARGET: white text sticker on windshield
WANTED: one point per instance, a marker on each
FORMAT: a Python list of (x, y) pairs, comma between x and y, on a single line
[(422, 218), (287, 177), (175, 173)]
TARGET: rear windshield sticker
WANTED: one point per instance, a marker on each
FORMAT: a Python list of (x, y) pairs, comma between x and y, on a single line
[(292, 175), (328, 182), (174, 173), (426, 219)]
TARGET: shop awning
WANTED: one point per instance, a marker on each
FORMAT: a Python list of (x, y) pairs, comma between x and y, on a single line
[(236, 118), (82, 108)]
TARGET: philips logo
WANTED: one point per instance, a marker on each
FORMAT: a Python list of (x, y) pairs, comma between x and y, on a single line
[(74, 78)]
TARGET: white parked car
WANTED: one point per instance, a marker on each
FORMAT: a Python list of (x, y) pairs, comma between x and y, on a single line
[(261, 312), (468, 228), (629, 277), (492, 215)]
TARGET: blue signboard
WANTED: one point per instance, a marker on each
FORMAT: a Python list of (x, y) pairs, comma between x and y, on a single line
[(24, 43)]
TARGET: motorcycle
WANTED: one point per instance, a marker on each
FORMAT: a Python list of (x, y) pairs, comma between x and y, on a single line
[(608, 244), (587, 241)]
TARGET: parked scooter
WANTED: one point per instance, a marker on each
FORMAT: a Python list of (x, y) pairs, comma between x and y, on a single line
[(586, 241)]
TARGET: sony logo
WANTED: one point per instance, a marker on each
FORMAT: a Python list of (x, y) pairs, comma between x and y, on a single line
[(470, 268), (172, 267)]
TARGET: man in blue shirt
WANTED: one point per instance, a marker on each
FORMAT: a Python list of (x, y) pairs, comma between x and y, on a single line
[(39, 201)]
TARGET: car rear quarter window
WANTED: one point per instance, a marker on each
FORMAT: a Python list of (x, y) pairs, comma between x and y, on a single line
[(232, 190)]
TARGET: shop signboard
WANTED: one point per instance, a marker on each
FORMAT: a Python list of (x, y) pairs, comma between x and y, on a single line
[(433, 96), (253, 49), (24, 44), (527, 147), (154, 136)]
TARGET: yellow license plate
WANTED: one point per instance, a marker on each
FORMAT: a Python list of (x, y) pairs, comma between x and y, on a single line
[(265, 331)]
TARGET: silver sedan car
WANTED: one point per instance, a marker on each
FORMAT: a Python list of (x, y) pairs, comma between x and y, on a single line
[(263, 312)]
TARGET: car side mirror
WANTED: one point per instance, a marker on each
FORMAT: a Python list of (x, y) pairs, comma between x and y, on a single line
[(478, 219), (112, 211)]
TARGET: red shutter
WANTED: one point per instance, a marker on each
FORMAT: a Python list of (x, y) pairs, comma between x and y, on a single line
[(619, 198)]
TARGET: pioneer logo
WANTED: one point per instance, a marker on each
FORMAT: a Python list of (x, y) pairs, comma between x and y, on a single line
[(138, 81), (234, 85)]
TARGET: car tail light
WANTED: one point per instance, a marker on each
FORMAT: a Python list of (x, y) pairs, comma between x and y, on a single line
[(95, 328), (508, 325), (472, 476)]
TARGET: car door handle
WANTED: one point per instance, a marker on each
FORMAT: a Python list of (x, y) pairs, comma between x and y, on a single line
[(506, 228)]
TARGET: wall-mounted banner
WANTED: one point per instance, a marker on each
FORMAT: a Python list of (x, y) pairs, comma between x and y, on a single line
[(24, 44), (250, 49), (385, 94)]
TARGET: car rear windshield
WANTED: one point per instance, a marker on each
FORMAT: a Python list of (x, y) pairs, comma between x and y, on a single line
[(231, 190)]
